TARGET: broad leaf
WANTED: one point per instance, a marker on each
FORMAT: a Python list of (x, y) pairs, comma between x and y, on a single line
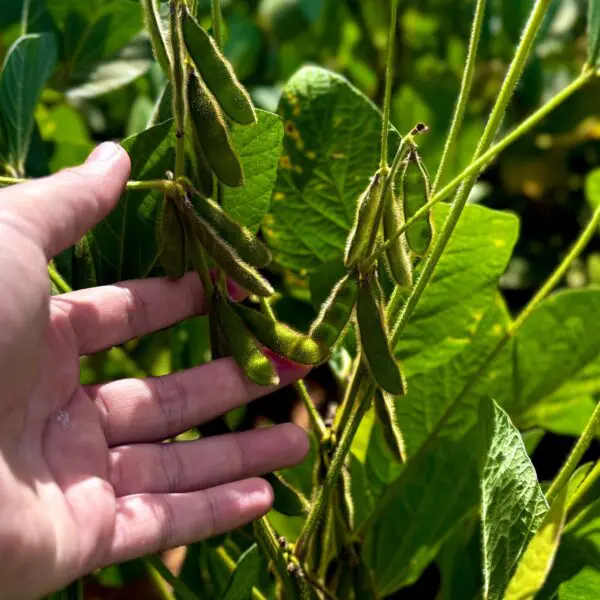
[(461, 289), (93, 31), (124, 244), (433, 494), (28, 66), (329, 154), (123, 68), (593, 32), (512, 502), (245, 576), (259, 148), (536, 562)]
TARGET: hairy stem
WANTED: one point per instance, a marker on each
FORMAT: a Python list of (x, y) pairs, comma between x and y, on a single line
[(586, 235), (465, 90), (155, 33), (580, 448), (216, 22), (267, 540), (182, 590), (56, 278), (585, 486), (313, 414), (491, 129), (178, 83), (389, 80)]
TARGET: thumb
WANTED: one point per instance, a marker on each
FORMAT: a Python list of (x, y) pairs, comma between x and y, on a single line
[(56, 211)]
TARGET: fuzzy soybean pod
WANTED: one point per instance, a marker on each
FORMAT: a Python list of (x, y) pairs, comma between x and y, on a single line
[(283, 340), (225, 256), (374, 336), (415, 190), (247, 246), (288, 501), (335, 312), (217, 72), (357, 245), (202, 174), (244, 347), (397, 253), (211, 132), (172, 240), (385, 409)]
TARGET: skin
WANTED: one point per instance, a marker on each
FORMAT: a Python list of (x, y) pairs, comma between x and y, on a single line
[(84, 481)]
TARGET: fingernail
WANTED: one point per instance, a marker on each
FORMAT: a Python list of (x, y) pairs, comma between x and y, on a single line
[(289, 370), (103, 152)]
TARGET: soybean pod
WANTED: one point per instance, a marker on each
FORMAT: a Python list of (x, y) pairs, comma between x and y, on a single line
[(335, 312), (224, 255), (397, 253), (283, 340), (357, 245), (247, 246), (288, 501), (211, 132), (171, 236), (217, 72), (374, 336), (385, 409), (244, 347), (415, 189), (202, 174)]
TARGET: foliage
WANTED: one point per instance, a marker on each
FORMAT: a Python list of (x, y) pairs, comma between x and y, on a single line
[(485, 367)]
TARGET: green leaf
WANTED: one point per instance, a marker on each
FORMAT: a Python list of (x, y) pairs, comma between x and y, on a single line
[(512, 502), (27, 67), (124, 244), (259, 148), (245, 576), (536, 562), (593, 32), (329, 155), (93, 31), (421, 508), (461, 289), (126, 66)]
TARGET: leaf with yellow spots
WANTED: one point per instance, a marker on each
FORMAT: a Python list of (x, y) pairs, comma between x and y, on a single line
[(330, 151)]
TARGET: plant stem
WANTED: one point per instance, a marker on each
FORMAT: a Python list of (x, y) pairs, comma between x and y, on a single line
[(491, 129), (180, 588), (155, 33), (160, 585), (584, 238), (462, 195), (479, 164), (56, 278), (313, 414), (216, 22), (267, 540), (580, 448), (178, 83), (389, 80), (465, 90), (11, 180), (585, 485)]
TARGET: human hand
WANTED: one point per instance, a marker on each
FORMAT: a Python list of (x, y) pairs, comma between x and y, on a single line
[(84, 481)]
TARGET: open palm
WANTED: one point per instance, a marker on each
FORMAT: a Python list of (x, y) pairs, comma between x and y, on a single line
[(84, 479)]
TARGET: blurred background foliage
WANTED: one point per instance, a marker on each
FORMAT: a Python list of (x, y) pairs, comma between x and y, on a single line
[(106, 84)]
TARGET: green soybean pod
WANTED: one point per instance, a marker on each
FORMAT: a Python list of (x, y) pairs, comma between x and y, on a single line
[(217, 72), (335, 312), (245, 349), (416, 192), (397, 253), (247, 246), (211, 132), (225, 256), (288, 501), (172, 249), (385, 409), (374, 337), (357, 244), (200, 170), (283, 340)]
